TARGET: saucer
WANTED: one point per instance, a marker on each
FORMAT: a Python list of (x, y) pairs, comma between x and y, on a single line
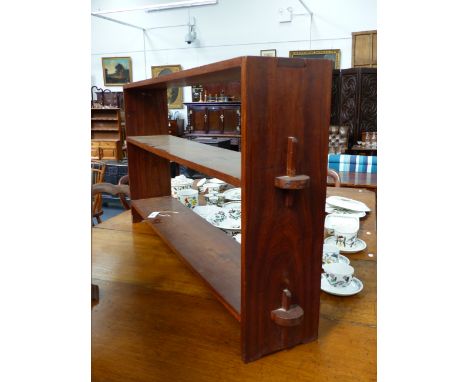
[(341, 259), (354, 287), (359, 245), (233, 194)]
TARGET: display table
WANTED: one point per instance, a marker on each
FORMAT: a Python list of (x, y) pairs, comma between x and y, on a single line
[(356, 179), (156, 321), (362, 150)]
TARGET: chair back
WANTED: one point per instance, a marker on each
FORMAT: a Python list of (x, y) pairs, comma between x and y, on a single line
[(98, 169), (335, 176)]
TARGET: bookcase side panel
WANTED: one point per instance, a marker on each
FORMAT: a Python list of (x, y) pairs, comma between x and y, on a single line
[(282, 230), (146, 114)]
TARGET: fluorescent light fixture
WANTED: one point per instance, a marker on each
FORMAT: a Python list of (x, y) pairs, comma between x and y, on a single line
[(161, 7), (182, 4)]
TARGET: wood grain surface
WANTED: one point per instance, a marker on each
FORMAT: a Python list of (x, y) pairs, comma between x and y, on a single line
[(213, 161), (357, 179), (208, 251), (282, 98), (282, 229), (157, 321), (222, 71)]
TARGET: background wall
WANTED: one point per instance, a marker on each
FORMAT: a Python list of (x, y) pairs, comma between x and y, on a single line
[(229, 29)]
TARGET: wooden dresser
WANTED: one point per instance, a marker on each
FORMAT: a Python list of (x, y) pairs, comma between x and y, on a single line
[(106, 134)]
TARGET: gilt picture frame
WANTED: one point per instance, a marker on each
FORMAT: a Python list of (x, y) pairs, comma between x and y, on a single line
[(116, 71), (328, 54), (175, 96)]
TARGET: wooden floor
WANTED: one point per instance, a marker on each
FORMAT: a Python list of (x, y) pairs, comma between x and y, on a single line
[(156, 321)]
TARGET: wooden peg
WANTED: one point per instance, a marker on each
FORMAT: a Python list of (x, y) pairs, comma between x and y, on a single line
[(287, 315), (291, 181)]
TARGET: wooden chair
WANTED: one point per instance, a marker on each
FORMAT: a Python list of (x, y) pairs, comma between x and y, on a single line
[(336, 177), (123, 200), (98, 169), (124, 180), (122, 191)]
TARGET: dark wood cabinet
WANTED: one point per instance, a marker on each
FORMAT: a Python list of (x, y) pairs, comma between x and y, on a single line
[(214, 119), (354, 101), (358, 103)]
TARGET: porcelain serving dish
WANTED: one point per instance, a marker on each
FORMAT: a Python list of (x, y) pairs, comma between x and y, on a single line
[(347, 203), (233, 194)]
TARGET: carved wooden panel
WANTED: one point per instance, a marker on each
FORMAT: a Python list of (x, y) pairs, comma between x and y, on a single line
[(368, 103), (348, 103), (335, 101), (358, 101)]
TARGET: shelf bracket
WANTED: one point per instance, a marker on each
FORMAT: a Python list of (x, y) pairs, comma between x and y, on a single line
[(291, 181), (287, 315)]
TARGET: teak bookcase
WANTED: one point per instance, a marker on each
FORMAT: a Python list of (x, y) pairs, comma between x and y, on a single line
[(271, 282)]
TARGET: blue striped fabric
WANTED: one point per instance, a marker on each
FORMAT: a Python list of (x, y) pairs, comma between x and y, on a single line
[(352, 163)]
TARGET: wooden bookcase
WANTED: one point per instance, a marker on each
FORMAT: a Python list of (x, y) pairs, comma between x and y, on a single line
[(106, 134), (271, 282)]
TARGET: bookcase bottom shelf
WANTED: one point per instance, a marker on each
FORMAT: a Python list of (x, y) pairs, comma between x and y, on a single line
[(211, 253)]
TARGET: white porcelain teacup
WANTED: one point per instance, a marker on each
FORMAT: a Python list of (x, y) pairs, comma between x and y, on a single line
[(211, 198), (188, 198), (331, 254), (338, 274), (212, 188), (346, 233), (176, 189), (180, 183)]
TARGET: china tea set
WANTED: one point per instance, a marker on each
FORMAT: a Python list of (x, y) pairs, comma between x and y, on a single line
[(223, 207), (223, 210), (338, 277), (342, 223), (187, 190)]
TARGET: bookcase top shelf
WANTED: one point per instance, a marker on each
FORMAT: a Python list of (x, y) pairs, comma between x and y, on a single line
[(212, 161), (223, 71)]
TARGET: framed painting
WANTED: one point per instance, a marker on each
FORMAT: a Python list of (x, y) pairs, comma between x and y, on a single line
[(327, 54), (268, 53), (117, 71), (175, 96)]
